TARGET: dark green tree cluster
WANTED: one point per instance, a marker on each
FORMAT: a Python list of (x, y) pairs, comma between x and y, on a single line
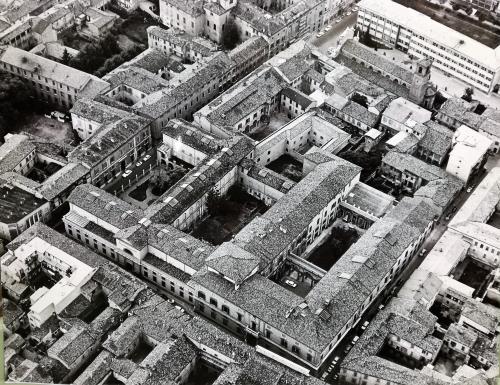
[(467, 96), (93, 55), (16, 100), (230, 35), (368, 162), (118, 59)]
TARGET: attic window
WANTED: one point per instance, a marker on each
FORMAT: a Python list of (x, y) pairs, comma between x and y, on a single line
[(345, 275), (227, 150), (359, 258), (109, 204)]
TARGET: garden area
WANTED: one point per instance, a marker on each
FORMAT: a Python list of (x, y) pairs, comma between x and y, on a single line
[(126, 39), (328, 253), (147, 192), (227, 215), (287, 166)]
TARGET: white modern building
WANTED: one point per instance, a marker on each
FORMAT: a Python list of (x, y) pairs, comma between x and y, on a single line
[(417, 34), (468, 153)]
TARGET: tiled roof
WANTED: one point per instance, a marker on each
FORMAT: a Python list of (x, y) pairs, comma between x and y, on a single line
[(268, 235), (232, 262), (355, 49), (48, 68), (105, 206), (191, 7), (73, 344), (191, 135), (267, 176), (107, 139), (13, 151), (408, 163), (437, 138), (243, 98)]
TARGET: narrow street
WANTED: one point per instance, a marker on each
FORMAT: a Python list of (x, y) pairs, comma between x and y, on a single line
[(330, 38)]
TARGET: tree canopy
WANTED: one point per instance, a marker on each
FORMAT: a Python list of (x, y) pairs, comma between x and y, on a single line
[(16, 100), (230, 35)]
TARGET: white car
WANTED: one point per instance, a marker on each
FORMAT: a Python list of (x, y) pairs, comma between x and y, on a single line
[(335, 360), (469, 189), (354, 340), (179, 308), (365, 325), (138, 164), (355, 9), (319, 34), (289, 282), (126, 173), (348, 13), (328, 28), (146, 158), (59, 116), (338, 21)]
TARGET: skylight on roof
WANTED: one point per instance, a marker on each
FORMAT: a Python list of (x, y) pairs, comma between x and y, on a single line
[(345, 275)]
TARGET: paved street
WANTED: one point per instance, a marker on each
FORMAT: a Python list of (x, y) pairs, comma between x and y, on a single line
[(330, 38)]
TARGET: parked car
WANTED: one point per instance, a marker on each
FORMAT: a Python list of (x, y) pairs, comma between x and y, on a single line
[(179, 308), (170, 300), (328, 28), (422, 253), (335, 360), (48, 115), (146, 158), (355, 9), (454, 209), (289, 282), (381, 307), (365, 325), (338, 21), (59, 116), (469, 189), (348, 13), (138, 164), (126, 173), (354, 340), (320, 33), (447, 217)]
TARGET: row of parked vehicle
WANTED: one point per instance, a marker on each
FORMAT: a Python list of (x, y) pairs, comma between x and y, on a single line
[(348, 347), (63, 118), (338, 20), (128, 171)]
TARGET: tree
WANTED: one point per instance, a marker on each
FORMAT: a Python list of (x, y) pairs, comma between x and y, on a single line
[(467, 96), (16, 102), (214, 201), (368, 162), (230, 35), (360, 99), (66, 57)]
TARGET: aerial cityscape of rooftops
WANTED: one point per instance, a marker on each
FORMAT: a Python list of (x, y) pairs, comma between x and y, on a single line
[(250, 192)]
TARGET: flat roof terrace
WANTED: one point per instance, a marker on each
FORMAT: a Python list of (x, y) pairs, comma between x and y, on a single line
[(369, 200), (469, 27)]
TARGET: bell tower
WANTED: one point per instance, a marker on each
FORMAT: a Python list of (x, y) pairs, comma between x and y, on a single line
[(421, 81), (228, 4)]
